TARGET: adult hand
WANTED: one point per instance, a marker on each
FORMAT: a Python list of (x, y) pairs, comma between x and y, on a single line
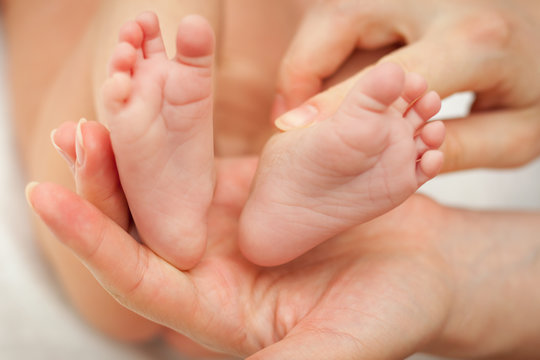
[(485, 46), (382, 291), (339, 300), (97, 181)]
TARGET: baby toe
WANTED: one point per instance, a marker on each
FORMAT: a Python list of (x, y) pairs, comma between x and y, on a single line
[(131, 33), (152, 44), (414, 87), (424, 109), (429, 165), (116, 91), (123, 59), (433, 133), (195, 42)]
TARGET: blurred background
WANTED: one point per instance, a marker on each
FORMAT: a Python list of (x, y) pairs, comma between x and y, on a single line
[(36, 322)]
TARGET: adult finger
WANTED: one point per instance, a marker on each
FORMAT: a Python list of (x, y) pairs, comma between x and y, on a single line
[(188, 348), (466, 67), (325, 39), (317, 108), (304, 67), (492, 139), (94, 167), (461, 58), (98, 182), (132, 273)]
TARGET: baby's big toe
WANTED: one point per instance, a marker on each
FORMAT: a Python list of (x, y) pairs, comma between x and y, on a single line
[(195, 42), (378, 88), (361, 121)]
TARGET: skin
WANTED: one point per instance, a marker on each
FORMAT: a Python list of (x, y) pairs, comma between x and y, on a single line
[(40, 94), (159, 112), (494, 54), (36, 115), (347, 290), (92, 27), (365, 160)]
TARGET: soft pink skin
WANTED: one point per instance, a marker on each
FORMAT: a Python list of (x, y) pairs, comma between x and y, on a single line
[(316, 182), (159, 112), (414, 268)]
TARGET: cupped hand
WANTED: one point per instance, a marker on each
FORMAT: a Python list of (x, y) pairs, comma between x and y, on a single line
[(422, 277), (382, 283), (488, 47)]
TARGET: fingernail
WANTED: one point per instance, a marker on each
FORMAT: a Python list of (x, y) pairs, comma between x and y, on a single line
[(279, 107), (62, 153), (300, 117), (28, 191), (79, 144)]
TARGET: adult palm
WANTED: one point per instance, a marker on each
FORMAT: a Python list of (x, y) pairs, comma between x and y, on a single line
[(383, 283)]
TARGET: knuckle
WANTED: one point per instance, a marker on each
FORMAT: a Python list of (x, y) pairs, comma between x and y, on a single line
[(140, 271), (296, 76), (125, 293), (294, 67), (98, 243)]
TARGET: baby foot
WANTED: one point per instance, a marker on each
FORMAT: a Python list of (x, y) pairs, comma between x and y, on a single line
[(159, 112), (316, 182)]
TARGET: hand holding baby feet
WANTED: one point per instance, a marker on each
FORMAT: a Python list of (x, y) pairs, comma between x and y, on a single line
[(316, 182), (159, 112)]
